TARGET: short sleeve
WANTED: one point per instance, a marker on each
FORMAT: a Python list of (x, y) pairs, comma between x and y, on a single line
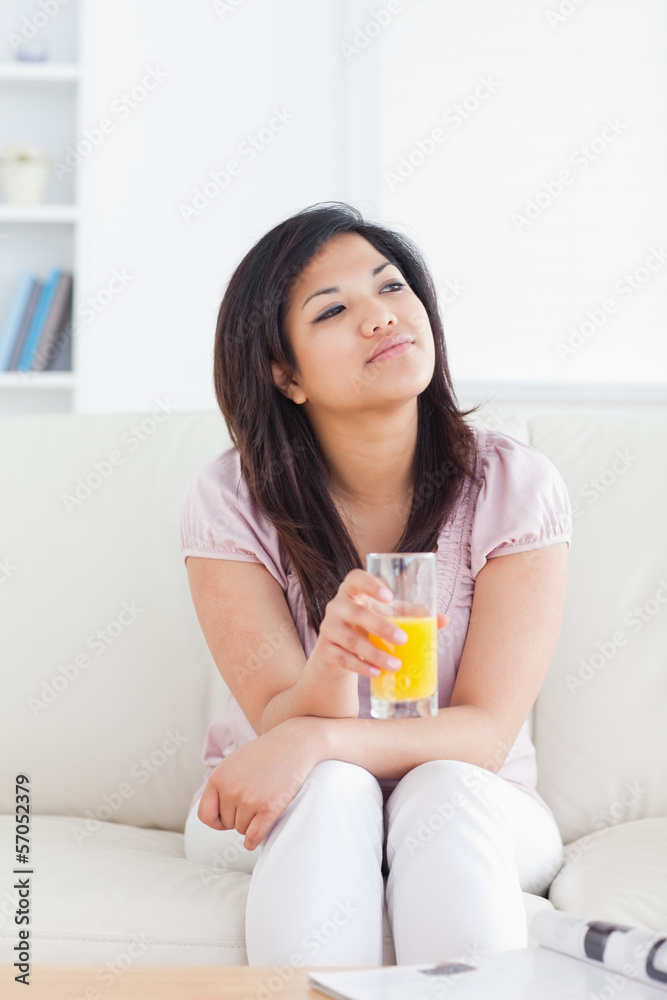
[(523, 502), (219, 519)]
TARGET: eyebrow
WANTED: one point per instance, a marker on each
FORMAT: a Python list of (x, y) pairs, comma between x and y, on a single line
[(326, 291)]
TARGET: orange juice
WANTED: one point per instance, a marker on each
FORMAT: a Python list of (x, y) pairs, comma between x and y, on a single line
[(418, 676)]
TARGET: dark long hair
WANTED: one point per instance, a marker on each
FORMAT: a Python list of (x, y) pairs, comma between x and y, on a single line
[(280, 457)]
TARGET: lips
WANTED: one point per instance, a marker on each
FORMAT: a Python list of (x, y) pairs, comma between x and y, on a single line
[(388, 343)]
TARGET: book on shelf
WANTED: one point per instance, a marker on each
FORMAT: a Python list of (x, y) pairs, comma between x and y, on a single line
[(24, 295), (573, 958), (55, 326), (36, 291), (37, 333)]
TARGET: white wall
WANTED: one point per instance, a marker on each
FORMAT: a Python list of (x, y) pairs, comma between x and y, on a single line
[(225, 77), (556, 102), (354, 116)]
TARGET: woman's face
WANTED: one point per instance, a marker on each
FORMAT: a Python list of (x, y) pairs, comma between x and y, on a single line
[(338, 312)]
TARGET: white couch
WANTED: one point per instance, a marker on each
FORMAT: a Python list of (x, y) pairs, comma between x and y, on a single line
[(108, 685)]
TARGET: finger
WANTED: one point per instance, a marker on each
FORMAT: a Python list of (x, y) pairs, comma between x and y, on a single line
[(359, 583), (443, 620), (227, 815), (209, 808), (359, 645), (378, 623), (370, 659), (256, 830), (243, 819), (226, 808), (420, 611), (348, 644), (345, 643)]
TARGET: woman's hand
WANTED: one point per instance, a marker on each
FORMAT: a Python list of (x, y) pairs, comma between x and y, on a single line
[(249, 789), (357, 609)]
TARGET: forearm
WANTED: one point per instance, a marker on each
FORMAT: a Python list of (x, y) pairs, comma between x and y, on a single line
[(389, 748), (317, 692)]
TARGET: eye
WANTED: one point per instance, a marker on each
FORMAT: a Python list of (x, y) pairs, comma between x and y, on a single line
[(332, 311)]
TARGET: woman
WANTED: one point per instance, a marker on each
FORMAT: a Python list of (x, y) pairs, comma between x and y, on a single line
[(337, 454)]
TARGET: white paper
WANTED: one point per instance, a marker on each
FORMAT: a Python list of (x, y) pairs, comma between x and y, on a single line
[(534, 973)]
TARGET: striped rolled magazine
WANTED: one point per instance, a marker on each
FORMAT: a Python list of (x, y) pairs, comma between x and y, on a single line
[(630, 951)]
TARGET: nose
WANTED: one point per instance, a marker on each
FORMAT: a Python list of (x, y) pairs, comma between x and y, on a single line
[(378, 317)]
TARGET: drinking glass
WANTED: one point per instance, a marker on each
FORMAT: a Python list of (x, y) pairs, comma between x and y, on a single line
[(412, 690)]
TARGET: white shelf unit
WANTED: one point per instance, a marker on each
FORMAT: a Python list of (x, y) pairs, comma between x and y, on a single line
[(38, 213), (36, 380), (18, 72), (40, 104)]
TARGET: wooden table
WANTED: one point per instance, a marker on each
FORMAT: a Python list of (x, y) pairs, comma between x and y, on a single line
[(164, 982)]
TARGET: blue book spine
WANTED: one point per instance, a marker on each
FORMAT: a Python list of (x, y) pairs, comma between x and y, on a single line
[(15, 313), (37, 325)]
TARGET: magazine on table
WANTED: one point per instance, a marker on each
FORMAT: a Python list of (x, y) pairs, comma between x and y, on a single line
[(573, 958)]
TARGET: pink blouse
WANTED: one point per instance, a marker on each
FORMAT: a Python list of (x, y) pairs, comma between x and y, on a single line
[(522, 504)]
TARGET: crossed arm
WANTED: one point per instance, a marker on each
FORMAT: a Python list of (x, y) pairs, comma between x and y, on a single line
[(515, 621)]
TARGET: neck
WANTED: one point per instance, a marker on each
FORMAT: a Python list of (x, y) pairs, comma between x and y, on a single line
[(371, 460)]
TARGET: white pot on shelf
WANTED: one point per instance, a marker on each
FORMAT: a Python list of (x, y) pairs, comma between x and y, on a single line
[(23, 181)]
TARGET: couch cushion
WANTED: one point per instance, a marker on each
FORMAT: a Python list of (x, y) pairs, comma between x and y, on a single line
[(618, 874), (599, 731), (123, 894), (108, 684)]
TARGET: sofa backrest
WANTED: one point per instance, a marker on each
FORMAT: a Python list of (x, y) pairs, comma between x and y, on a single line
[(109, 686), (600, 725)]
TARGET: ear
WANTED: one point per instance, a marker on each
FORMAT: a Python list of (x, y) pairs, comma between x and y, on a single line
[(280, 378), (288, 387)]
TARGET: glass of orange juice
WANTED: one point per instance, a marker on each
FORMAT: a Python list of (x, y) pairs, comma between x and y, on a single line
[(413, 688)]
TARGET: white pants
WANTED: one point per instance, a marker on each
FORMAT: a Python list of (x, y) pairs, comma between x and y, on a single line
[(457, 843)]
